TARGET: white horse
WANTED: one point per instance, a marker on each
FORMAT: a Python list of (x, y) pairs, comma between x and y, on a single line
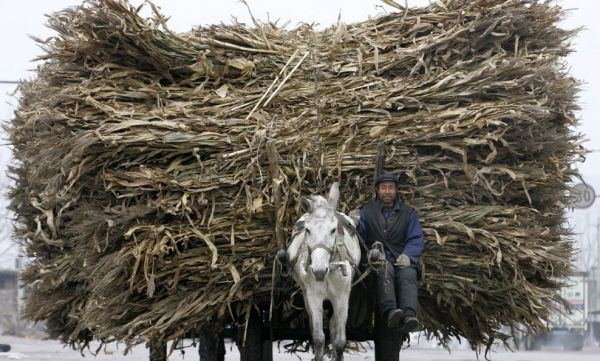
[(323, 254)]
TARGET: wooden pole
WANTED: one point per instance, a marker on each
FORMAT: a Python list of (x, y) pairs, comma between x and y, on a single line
[(276, 189), (380, 160)]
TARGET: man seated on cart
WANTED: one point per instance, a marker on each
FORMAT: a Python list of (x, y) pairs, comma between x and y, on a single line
[(388, 220)]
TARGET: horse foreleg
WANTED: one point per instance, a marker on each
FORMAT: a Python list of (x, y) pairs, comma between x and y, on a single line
[(333, 333), (315, 313), (337, 326)]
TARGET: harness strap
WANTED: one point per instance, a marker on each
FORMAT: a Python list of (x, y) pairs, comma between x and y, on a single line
[(295, 233), (322, 246), (362, 277), (338, 253), (344, 224)]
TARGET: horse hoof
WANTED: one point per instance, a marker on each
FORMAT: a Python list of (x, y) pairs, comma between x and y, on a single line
[(282, 256)]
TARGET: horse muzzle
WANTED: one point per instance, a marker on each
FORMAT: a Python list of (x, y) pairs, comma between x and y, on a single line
[(320, 274)]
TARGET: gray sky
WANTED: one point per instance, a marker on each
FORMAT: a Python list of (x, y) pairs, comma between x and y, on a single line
[(20, 18)]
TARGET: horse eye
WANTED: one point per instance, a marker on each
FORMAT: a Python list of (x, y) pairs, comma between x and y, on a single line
[(333, 231), (307, 231)]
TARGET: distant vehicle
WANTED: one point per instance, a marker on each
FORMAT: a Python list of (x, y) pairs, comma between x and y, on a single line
[(568, 328)]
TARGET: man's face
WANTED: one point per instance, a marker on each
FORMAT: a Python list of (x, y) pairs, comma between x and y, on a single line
[(386, 191)]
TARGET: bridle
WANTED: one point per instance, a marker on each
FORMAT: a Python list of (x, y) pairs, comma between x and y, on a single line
[(337, 254), (330, 250), (327, 249)]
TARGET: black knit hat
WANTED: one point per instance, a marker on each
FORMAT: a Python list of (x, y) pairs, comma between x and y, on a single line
[(386, 177)]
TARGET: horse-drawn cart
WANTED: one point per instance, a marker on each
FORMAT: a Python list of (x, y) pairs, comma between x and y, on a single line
[(272, 321), (144, 199), (279, 310)]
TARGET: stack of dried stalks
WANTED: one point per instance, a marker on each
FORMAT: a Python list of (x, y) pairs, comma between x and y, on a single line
[(144, 193)]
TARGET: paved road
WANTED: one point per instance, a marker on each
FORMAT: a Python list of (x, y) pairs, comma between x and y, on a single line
[(36, 350)]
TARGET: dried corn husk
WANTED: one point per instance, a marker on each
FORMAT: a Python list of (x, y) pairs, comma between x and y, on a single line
[(144, 193)]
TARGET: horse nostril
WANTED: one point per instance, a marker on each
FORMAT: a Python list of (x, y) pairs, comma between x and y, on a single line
[(320, 274)]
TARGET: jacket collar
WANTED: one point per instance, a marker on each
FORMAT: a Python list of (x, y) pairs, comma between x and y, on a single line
[(396, 207)]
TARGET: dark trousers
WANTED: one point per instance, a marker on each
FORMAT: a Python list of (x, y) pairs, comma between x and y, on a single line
[(397, 288)]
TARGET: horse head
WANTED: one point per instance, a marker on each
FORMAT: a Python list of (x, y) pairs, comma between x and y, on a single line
[(320, 231)]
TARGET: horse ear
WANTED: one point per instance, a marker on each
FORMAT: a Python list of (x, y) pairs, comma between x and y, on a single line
[(334, 195), (306, 204)]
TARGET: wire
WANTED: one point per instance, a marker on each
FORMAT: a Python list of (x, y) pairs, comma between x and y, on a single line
[(9, 82)]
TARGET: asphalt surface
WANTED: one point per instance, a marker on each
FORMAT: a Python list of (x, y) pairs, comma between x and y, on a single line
[(39, 350)]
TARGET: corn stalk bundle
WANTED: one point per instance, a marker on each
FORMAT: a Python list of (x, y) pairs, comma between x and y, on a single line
[(145, 196)]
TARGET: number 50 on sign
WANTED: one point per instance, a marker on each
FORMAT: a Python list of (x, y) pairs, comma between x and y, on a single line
[(583, 195)]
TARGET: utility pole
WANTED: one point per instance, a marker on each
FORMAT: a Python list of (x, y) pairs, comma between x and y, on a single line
[(596, 268), (597, 245), (592, 302)]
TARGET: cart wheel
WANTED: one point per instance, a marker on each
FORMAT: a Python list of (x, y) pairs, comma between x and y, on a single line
[(256, 347), (267, 350), (158, 351), (211, 348)]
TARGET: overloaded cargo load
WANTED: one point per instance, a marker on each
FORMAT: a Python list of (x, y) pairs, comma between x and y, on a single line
[(144, 193)]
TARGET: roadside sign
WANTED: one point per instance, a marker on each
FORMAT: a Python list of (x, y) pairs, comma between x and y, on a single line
[(584, 195)]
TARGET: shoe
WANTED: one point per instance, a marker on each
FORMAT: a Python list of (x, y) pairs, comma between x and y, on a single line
[(409, 324), (394, 318)]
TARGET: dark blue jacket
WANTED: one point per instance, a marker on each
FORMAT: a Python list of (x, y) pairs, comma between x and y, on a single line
[(413, 237)]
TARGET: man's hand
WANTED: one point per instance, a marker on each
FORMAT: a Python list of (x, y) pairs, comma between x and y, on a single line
[(355, 216), (403, 261)]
